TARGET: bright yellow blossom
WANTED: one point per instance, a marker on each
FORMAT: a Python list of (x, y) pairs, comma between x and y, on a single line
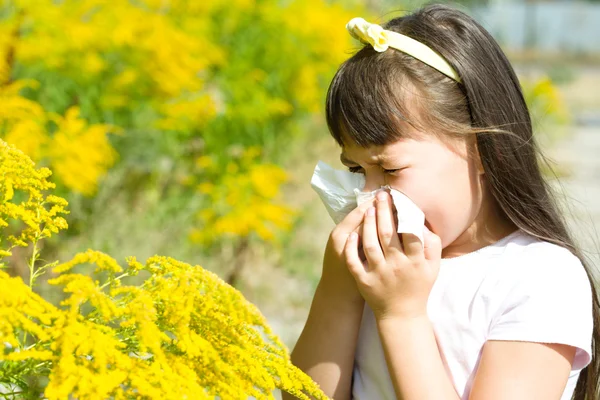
[(244, 202), (41, 214), (80, 154)]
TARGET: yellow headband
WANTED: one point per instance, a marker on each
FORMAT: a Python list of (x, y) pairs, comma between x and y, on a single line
[(381, 39)]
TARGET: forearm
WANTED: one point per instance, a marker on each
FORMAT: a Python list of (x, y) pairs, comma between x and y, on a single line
[(414, 360), (325, 349)]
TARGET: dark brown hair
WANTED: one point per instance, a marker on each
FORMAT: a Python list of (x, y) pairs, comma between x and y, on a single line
[(373, 94)]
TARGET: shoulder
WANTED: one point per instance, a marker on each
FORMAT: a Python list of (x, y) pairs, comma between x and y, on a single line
[(528, 259), (542, 294)]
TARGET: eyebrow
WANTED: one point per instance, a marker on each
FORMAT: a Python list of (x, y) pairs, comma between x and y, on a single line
[(345, 160)]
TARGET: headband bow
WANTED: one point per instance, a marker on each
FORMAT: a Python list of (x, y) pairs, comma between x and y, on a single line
[(382, 39)]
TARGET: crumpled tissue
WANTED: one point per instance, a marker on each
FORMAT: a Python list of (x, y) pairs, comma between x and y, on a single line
[(341, 192)]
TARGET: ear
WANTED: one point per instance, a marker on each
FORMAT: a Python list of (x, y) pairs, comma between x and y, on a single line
[(476, 156)]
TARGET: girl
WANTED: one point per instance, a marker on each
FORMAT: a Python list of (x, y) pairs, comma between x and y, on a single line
[(498, 303)]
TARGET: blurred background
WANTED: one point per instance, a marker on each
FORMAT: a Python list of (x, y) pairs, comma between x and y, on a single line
[(191, 128)]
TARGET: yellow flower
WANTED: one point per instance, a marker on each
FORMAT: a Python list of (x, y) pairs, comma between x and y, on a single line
[(42, 355), (22, 309), (40, 213), (205, 187), (134, 266), (28, 136), (242, 203), (204, 162), (103, 261), (251, 154), (186, 114), (266, 179), (80, 154), (84, 289), (93, 64)]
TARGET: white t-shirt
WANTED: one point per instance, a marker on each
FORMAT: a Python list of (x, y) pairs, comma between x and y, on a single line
[(519, 288)]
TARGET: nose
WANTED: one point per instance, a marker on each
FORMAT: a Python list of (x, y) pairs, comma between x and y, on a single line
[(373, 181)]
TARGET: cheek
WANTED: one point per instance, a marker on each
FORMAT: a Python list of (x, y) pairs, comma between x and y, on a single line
[(447, 195)]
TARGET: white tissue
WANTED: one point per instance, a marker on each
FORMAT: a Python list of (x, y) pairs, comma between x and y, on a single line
[(336, 189), (341, 191)]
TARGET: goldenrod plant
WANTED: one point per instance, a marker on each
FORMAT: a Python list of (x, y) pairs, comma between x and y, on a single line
[(79, 153), (244, 200), (181, 333)]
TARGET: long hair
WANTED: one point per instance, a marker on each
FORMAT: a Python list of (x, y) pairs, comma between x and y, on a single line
[(373, 94)]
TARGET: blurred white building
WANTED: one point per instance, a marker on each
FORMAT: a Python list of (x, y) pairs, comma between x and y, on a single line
[(550, 26)]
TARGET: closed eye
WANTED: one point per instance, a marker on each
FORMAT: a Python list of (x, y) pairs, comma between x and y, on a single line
[(358, 170)]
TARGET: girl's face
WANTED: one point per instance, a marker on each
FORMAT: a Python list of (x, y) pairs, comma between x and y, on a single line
[(440, 178)]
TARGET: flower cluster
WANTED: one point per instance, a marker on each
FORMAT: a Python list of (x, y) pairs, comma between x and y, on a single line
[(544, 100), (23, 199), (78, 152), (183, 333), (243, 202), (134, 49)]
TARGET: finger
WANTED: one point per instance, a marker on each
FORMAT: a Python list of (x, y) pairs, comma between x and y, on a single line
[(433, 245), (370, 240), (352, 221), (361, 251), (353, 261), (412, 245), (386, 226)]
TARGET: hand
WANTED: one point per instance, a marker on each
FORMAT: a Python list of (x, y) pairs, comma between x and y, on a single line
[(336, 275), (398, 274)]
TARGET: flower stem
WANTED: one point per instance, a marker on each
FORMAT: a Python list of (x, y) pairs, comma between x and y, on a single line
[(114, 279), (32, 276), (32, 261)]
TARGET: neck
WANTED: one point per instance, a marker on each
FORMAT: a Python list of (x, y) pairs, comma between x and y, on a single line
[(489, 226)]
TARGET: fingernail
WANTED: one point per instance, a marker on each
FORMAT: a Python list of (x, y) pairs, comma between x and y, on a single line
[(353, 236), (371, 211), (382, 196)]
